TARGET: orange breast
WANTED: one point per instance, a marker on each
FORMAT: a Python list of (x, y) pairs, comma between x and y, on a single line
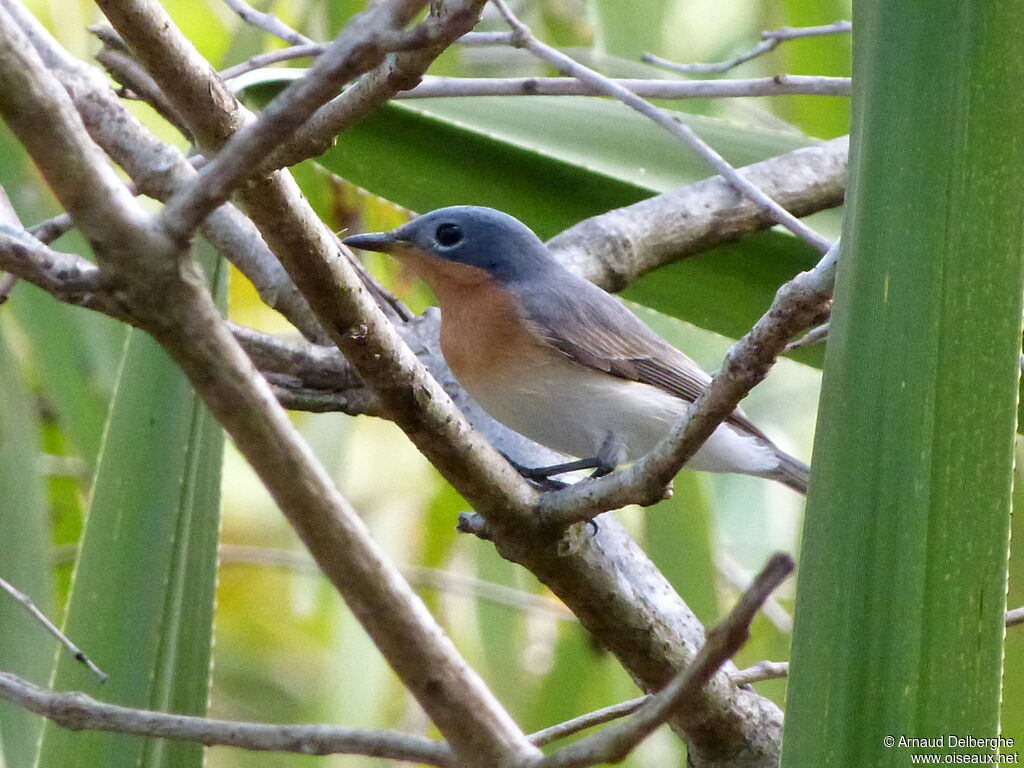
[(484, 338)]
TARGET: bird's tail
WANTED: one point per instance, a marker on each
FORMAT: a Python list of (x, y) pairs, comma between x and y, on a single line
[(791, 472)]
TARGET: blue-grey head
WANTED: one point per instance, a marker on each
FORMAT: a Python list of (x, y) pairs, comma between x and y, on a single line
[(489, 240)]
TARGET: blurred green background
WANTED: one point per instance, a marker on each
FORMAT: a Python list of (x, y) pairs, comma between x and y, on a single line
[(285, 648)]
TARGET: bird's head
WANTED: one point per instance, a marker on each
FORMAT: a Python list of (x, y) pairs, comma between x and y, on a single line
[(461, 242)]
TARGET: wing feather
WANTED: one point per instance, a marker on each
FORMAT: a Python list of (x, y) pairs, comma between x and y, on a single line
[(596, 330)]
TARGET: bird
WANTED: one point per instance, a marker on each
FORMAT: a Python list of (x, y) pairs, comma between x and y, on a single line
[(558, 359)]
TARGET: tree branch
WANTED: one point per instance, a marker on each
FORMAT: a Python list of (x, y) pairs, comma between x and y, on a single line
[(360, 46), (446, 87), (589, 720), (158, 170), (684, 692), (268, 22), (614, 248), (50, 627), (77, 712), (399, 71), (780, 85), (771, 39)]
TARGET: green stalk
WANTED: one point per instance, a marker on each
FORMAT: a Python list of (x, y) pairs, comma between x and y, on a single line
[(25, 648), (143, 591), (899, 619)]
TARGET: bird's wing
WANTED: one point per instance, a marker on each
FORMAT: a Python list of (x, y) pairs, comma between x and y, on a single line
[(594, 329)]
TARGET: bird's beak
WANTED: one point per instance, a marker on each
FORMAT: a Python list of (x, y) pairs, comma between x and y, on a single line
[(384, 242)]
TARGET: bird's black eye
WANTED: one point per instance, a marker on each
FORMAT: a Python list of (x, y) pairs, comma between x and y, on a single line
[(448, 235)]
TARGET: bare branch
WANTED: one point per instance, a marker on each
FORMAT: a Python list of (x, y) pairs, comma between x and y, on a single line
[(471, 39), (268, 22), (589, 720), (435, 87), (1015, 617), (780, 85), (614, 248), (738, 579), (798, 304), (158, 170), (684, 692), (567, 66), (50, 627), (814, 336), (78, 712), (273, 57), (89, 188), (399, 71), (66, 276), (770, 41), (763, 670), (118, 61), (359, 47)]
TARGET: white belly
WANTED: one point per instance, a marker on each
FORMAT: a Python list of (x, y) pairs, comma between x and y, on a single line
[(573, 409)]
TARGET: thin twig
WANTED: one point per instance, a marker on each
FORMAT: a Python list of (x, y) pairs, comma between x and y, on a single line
[(449, 87), (616, 741), (471, 39), (524, 38), (397, 72), (122, 66), (78, 712), (268, 22), (763, 670), (309, 50), (50, 627), (770, 41), (589, 720), (1015, 617), (738, 579), (814, 336), (780, 85), (361, 46)]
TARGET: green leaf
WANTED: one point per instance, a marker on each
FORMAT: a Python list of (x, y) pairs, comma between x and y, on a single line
[(71, 347), (899, 619), (678, 539), (1012, 713), (142, 596), (25, 649), (502, 631)]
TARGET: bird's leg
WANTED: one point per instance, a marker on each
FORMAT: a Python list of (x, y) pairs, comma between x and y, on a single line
[(538, 473), (609, 455), (535, 475)]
